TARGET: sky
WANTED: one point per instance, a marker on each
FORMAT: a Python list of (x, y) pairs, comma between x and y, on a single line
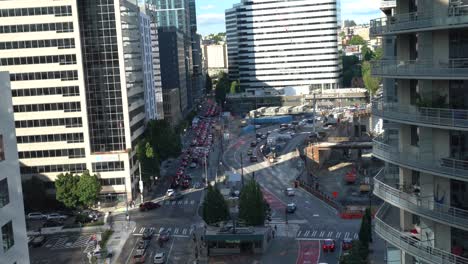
[(210, 13)]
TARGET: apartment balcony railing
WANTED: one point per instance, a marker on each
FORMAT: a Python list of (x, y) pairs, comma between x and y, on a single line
[(412, 201), (412, 245), (387, 4), (445, 167), (453, 68), (439, 117), (454, 16)]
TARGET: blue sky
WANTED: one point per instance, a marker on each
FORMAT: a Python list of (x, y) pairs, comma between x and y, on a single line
[(210, 13)]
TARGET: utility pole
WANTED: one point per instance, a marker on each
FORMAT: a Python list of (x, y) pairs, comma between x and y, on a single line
[(206, 172), (313, 123), (242, 171), (140, 184)]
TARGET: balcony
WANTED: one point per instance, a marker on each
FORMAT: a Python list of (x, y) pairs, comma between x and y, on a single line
[(452, 17), (404, 198), (425, 116), (411, 245), (445, 167), (419, 69), (386, 4)]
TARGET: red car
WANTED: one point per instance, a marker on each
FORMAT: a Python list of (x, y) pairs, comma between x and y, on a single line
[(149, 206), (328, 245), (347, 244)]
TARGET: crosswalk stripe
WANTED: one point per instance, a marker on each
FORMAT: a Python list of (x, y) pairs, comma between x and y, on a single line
[(186, 202), (134, 229), (191, 230), (307, 233), (346, 235), (338, 235), (315, 232), (167, 203), (161, 229), (173, 202), (184, 231), (330, 234), (356, 236), (176, 231), (169, 230), (322, 233), (192, 202), (299, 233), (142, 230), (180, 202)]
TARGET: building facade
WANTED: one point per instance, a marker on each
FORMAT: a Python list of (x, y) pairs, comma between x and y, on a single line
[(172, 113), (277, 44), (77, 85), (425, 141), (12, 221), (216, 58), (148, 71)]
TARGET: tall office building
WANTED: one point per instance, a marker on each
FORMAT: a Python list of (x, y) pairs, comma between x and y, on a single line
[(278, 44), (77, 86), (425, 144), (12, 221)]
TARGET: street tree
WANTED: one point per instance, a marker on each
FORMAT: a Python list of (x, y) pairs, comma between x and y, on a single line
[(215, 208), (357, 40), (88, 189), (148, 160), (252, 205), (164, 141), (222, 88), (208, 84), (234, 88), (351, 69), (66, 190)]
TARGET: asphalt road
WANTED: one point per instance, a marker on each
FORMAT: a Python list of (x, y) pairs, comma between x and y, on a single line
[(316, 220)]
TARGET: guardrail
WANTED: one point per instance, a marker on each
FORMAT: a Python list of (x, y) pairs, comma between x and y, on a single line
[(412, 245), (450, 167), (452, 68), (451, 118), (424, 206), (452, 16)]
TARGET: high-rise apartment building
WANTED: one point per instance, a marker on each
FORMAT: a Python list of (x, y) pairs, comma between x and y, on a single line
[(425, 144), (77, 85), (278, 44), (216, 57), (13, 241)]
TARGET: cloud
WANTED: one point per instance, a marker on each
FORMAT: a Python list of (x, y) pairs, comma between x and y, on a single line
[(360, 11), (207, 7), (210, 19)]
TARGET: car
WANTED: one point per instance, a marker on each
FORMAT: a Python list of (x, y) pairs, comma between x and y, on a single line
[(253, 143), (140, 256), (249, 152), (56, 216), (264, 137), (102, 254), (38, 241), (159, 258), (36, 216), (52, 223), (259, 139), (291, 208), (149, 206), (253, 159), (143, 244), (289, 191), (148, 234), (170, 192), (164, 236), (193, 165), (328, 245), (347, 244)]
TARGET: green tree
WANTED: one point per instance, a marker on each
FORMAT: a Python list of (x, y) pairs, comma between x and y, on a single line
[(367, 53), (222, 87), (357, 40), (163, 139), (208, 84), (252, 206), (66, 190), (378, 53), (148, 160), (215, 208), (351, 69), (234, 88), (88, 189), (372, 84)]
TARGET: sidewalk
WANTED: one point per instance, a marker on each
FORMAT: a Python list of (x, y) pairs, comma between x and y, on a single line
[(122, 230)]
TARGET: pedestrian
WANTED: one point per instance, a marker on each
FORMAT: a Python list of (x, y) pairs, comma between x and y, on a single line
[(276, 228), (274, 233)]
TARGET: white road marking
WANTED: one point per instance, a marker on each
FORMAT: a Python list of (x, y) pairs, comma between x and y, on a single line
[(307, 233), (169, 230), (338, 235), (322, 233), (330, 234), (192, 202), (315, 232), (184, 231), (134, 229), (315, 215), (191, 230), (176, 230), (186, 202), (170, 250), (299, 233), (346, 235), (173, 202), (161, 229), (180, 202), (142, 230), (356, 236)]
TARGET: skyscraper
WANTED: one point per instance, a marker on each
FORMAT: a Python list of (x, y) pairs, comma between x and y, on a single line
[(12, 222), (77, 86), (278, 44), (425, 144)]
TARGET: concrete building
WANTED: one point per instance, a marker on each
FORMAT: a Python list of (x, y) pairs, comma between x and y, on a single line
[(77, 86), (12, 221), (216, 58), (277, 44), (171, 101), (425, 144)]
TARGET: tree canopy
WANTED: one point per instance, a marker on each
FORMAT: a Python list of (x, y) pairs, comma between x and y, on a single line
[(349, 23), (357, 40), (351, 69), (215, 208), (208, 84), (88, 189), (222, 88), (252, 206), (371, 83), (77, 190), (234, 87)]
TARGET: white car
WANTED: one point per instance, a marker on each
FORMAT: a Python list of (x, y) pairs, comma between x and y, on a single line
[(159, 258), (36, 216), (289, 191), (170, 192), (56, 216)]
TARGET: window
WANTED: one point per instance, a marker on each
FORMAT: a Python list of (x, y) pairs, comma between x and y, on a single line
[(414, 136), (7, 236), (4, 194), (2, 149)]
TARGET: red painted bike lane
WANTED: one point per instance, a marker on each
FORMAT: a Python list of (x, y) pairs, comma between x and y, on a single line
[(309, 252), (273, 201)]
